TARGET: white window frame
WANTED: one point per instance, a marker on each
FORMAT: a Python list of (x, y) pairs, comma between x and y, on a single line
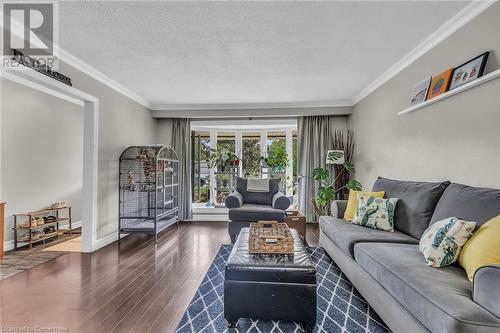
[(238, 127)]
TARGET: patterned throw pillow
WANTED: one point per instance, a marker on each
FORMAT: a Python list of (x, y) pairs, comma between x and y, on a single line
[(442, 241), (375, 213)]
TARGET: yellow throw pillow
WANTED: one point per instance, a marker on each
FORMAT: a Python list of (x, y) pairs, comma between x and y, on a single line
[(353, 202), (482, 249)]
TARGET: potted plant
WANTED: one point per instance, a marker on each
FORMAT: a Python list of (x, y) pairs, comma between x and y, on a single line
[(327, 189), (235, 162), (222, 158)]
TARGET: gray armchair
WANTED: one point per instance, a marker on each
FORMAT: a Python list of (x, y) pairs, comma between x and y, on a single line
[(246, 207)]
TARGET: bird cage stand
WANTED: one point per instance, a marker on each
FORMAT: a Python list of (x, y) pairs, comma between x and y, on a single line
[(148, 190)]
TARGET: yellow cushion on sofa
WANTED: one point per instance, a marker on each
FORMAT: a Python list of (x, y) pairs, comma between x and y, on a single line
[(482, 249), (352, 202)]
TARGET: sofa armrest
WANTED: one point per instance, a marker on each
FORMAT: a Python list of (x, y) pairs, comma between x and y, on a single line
[(485, 288), (280, 201), (234, 200), (338, 208)]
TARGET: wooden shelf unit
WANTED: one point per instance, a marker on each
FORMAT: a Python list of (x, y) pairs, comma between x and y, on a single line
[(483, 79), (28, 219)]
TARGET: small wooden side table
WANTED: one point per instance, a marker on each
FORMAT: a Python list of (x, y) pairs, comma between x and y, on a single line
[(296, 220)]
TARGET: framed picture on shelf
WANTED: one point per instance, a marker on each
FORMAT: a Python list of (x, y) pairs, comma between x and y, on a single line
[(469, 71), (420, 91), (439, 84)]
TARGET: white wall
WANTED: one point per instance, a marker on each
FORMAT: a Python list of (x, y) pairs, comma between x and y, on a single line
[(42, 151), (122, 122), (456, 139), (164, 131)]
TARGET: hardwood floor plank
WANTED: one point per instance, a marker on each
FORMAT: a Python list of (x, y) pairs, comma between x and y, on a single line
[(135, 286)]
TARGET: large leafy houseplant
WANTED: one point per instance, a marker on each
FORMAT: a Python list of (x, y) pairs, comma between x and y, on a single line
[(328, 189)]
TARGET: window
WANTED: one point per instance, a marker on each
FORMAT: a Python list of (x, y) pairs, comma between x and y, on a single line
[(249, 140), (250, 154), (226, 140), (225, 176), (201, 174)]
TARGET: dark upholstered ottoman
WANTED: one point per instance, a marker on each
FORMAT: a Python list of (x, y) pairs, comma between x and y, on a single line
[(273, 287)]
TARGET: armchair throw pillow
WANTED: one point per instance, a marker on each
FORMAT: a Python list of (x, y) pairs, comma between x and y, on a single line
[(441, 242)]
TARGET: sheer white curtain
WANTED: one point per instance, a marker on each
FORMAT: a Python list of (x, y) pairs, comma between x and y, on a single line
[(315, 138), (181, 133)]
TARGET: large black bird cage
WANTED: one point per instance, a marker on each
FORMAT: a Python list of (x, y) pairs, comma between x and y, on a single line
[(149, 189)]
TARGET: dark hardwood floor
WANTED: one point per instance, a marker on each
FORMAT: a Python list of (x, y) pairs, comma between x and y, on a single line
[(135, 286)]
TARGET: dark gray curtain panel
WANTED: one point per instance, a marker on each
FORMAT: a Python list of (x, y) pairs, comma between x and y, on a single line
[(315, 138), (181, 133)]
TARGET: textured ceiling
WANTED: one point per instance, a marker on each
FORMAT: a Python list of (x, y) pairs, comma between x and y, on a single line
[(247, 52)]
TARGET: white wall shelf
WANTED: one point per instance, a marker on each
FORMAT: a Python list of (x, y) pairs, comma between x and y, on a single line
[(486, 78)]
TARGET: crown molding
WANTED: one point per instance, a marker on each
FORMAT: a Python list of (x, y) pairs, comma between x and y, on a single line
[(251, 106), (14, 77), (246, 113), (446, 30), (87, 69)]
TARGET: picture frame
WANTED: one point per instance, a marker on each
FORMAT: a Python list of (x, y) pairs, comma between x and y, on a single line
[(469, 71), (420, 91), (335, 157), (439, 84)]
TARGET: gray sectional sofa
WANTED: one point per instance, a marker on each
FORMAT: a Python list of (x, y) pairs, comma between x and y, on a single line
[(390, 272)]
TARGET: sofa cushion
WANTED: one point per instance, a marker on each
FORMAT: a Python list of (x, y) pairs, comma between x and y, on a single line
[(345, 234), (258, 198), (482, 249), (469, 203), (352, 202), (252, 213), (416, 204), (440, 298), (442, 241), (375, 213)]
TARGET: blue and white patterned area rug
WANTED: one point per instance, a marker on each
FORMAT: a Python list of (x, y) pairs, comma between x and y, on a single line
[(340, 307)]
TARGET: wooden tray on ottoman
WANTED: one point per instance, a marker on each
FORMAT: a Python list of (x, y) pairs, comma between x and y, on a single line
[(270, 237)]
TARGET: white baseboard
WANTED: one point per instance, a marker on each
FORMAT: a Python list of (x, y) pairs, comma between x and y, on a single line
[(210, 214), (210, 217), (106, 240), (9, 245), (74, 225)]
